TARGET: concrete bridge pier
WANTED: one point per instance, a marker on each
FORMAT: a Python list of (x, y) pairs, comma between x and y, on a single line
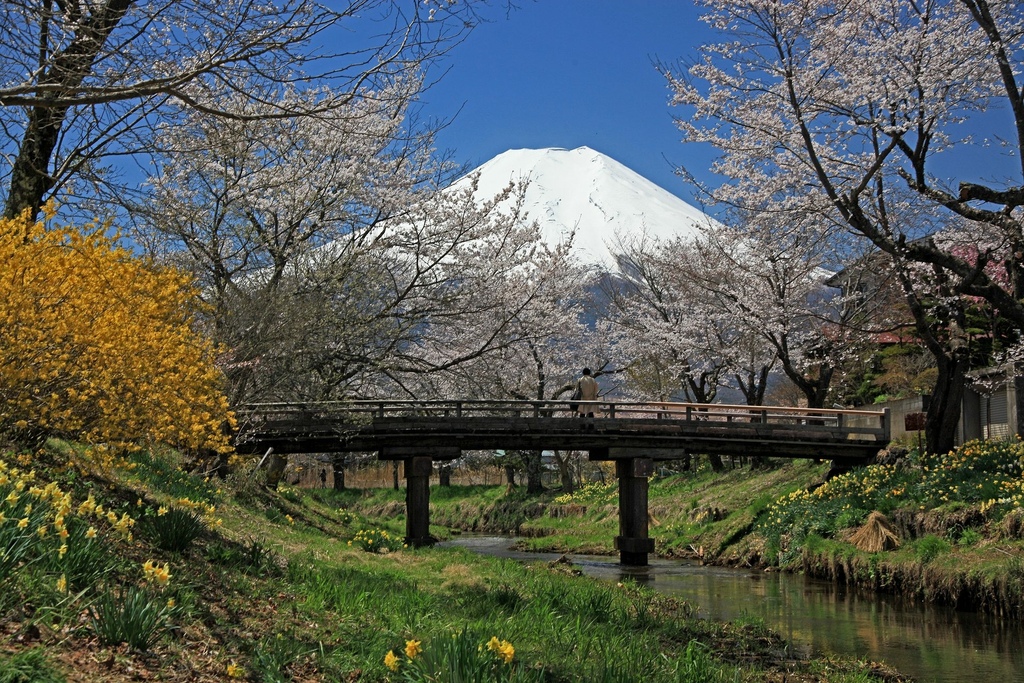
[(632, 542)]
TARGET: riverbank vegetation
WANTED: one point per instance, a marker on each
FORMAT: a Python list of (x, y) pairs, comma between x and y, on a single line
[(145, 572), (946, 529)]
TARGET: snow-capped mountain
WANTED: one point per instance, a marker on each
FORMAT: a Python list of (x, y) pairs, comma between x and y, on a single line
[(584, 189)]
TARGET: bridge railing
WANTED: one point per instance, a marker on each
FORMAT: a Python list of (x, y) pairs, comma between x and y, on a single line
[(856, 422)]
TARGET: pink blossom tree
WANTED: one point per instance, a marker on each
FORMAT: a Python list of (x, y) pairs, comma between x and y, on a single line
[(847, 111)]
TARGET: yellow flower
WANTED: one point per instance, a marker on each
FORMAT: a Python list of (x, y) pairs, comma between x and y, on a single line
[(502, 648), (62, 584), (235, 671), (23, 523), (161, 511), (289, 518), (91, 533), (412, 648), (391, 661), (171, 603), (63, 550)]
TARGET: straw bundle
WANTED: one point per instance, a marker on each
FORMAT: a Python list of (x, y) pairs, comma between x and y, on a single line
[(876, 535)]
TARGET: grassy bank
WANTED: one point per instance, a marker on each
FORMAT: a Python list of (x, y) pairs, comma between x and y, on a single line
[(143, 572), (946, 529)]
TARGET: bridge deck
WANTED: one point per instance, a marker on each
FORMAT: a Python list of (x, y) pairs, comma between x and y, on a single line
[(659, 430)]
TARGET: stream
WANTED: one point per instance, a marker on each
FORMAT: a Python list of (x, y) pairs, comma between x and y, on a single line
[(931, 643)]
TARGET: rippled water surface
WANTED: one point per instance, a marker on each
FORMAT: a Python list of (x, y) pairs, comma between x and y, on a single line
[(930, 643)]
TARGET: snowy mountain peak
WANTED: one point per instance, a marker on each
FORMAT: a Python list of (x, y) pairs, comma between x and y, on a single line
[(584, 189)]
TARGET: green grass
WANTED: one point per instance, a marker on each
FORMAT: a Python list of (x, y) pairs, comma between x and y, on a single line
[(28, 666), (276, 593)]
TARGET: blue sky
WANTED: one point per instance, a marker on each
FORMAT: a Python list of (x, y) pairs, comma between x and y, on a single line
[(567, 73)]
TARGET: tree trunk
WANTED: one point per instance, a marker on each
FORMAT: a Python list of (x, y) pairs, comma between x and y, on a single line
[(943, 414), (339, 471), (445, 474), (716, 463), (275, 470), (534, 482), (30, 177), (510, 476), (565, 472), (30, 172), (394, 474)]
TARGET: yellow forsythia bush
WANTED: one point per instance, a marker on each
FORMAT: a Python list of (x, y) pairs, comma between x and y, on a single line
[(98, 344)]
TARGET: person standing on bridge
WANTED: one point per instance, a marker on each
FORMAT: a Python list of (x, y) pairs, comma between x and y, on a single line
[(586, 390)]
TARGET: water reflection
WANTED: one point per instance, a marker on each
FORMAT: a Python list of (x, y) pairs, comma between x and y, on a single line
[(930, 643)]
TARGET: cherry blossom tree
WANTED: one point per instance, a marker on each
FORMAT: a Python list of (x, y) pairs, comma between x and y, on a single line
[(274, 217), (83, 81), (335, 268), (671, 336), (543, 349), (772, 283), (847, 111)]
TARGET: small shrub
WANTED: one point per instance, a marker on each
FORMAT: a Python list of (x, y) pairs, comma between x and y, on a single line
[(375, 541), (174, 529), (969, 537), (594, 493), (258, 556), (289, 493), (929, 547), (132, 615), (463, 658), (85, 558)]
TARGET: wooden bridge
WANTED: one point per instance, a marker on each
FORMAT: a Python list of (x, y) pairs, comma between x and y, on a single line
[(631, 434)]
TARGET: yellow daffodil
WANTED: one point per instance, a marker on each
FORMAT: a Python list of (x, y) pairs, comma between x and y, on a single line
[(391, 661), (412, 648)]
